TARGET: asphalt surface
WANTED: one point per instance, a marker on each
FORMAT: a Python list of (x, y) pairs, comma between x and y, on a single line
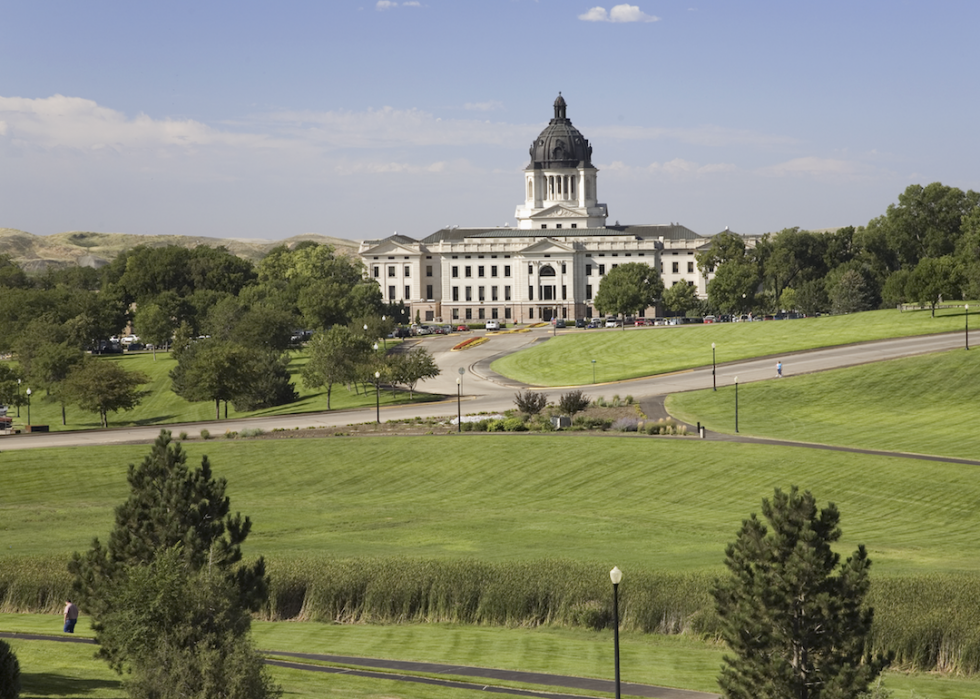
[(483, 390), (394, 671)]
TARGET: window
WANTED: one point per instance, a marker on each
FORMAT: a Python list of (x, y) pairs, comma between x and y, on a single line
[(479, 271), (469, 314), (469, 293), (481, 292), (455, 271), (428, 292), (563, 268), (544, 225), (377, 272), (675, 267), (493, 293), (507, 313), (468, 271), (506, 293), (408, 292), (493, 313), (615, 266), (530, 313), (455, 314), (588, 270), (588, 292), (530, 293), (690, 268), (482, 314), (602, 270), (557, 225), (428, 270), (455, 293), (408, 271), (574, 225), (391, 293), (564, 293), (506, 270), (493, 270), (391, 270), (530, 270), (430, 315)]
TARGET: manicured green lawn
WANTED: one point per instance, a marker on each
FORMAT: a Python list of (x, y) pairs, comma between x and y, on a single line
[(641, 502), (161, 406), (925, 405), (567, 359), (675, 661)]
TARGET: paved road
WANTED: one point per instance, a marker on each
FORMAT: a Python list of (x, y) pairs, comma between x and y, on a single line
[(483, 390), (393, 669)]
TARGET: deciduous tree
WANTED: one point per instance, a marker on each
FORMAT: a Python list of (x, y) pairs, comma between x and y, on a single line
[(334, 357), (102, 386), (794, 617), (629, 288)]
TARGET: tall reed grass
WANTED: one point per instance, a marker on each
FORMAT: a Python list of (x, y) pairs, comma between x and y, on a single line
[(929, 622)]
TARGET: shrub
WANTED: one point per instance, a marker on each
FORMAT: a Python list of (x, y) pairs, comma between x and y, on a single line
[(661, 426), (183, 436), (495, 426), (626, 424), (628, 400), (573, 402), (230, 434), (9, 672), (250, 432), (591, 423), (515, 424), (205, 434), (529, 402)]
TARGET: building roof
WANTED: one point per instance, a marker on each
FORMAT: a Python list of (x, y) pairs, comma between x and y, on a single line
[(671, 231), (560, 145)]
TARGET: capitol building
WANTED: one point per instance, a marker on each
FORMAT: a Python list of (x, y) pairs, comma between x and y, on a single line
[(550, 265)]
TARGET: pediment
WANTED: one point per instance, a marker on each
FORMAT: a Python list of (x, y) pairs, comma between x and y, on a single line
[(546, 246), (390, 247), (560, 211)]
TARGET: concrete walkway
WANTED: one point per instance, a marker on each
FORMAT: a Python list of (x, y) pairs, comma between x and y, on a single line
[(396, 668)]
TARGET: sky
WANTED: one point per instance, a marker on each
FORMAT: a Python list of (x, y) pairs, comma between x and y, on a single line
[(358, 119)]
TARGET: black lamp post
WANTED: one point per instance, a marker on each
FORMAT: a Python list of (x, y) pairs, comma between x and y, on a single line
[(616, 575), (459, 404), (377, 394), (28, 406), (714, 380), (736, 404), (384, 335), (966, 326), (18, 397), (593, 371)]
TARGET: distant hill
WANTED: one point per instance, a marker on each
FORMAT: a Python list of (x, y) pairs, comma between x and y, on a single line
[(35, 253)]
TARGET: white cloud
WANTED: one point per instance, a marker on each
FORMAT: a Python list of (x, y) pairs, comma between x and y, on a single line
[(385, 5), (483, 106), (813, 166), (706, 135), (675, 169), (372, 168), (619, 14)]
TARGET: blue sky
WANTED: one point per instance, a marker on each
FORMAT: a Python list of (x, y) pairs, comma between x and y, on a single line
[(359, 119)]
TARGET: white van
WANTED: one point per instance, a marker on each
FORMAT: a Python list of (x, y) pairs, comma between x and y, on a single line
[(493, 325)]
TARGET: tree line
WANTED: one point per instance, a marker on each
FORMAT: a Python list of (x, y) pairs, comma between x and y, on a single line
[(229, 322)]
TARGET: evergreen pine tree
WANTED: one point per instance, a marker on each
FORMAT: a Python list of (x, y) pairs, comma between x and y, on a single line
[(793, 617)]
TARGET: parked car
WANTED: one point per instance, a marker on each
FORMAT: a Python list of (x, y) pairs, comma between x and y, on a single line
[(593, 324), (493, 325), (462, 328), (580, 323), (612, 323), (423, 330), (559, 323)]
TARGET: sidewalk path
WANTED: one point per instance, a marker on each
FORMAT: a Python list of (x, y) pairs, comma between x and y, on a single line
[(403, 666)]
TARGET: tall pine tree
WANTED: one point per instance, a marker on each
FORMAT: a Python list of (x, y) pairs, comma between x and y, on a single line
[(793, 617)]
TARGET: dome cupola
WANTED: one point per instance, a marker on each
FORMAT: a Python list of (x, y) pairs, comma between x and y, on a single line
[(560, 145)]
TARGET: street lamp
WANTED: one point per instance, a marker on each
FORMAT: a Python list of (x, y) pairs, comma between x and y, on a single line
[(736, 404), (593, 371), (377, 393), (714, 380), (459, 404), (18, 397), (28, 406), (966, 330), (616, 575), (384, 335)]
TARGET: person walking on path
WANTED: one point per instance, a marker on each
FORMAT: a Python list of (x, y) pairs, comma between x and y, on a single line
[(779, 370), (71, 616)]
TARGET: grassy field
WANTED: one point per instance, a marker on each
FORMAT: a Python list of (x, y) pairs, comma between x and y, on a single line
[(925, 405), (676, 661), (161, 406), (567, 359), (635, 501)]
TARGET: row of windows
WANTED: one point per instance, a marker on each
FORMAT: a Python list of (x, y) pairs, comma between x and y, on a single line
[(481, 270), (481, 292), (481, 313)]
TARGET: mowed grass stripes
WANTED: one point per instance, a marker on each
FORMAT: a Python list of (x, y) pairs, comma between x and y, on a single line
[(567, 359), (654, 504)]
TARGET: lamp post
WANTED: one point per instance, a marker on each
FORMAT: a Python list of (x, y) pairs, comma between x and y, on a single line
[(616, 575), (377, 395), (459, 404), (18, 397), (736, 404), (714, 380), (28, 406), (384, 335), (593, 371), (966, 326)]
